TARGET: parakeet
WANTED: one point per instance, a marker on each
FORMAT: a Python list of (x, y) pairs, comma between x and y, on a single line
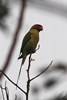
[(30, 42)]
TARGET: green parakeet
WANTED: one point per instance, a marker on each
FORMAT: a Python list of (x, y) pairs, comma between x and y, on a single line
[(30, 42)]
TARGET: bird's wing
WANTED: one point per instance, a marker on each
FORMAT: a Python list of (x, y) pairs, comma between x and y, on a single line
[(25, 41)]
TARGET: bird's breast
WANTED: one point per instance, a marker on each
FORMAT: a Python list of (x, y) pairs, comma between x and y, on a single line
[(34, 42)]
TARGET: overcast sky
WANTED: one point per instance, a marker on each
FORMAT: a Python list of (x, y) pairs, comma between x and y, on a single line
[(53, 39)]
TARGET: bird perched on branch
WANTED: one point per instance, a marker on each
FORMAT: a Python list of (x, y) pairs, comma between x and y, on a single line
[(30, 42)]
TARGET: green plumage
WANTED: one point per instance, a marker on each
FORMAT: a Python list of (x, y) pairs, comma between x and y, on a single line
[(29, 42)]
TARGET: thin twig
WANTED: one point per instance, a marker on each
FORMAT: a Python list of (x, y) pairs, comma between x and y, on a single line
[(12, 82), (2, 92), (29, 64), (7, 92), (41, 72), (17, 31), (15, 97), (28, 76)]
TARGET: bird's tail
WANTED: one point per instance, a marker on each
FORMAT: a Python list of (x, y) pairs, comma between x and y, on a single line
[(23, 57), (20, 57), (23, 60)]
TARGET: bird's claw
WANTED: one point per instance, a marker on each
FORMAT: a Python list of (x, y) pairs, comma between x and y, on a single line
[(32, 59), (37, 48)]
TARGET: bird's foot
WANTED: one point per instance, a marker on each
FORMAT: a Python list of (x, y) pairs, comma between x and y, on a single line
[(32, 59), (37, 48)]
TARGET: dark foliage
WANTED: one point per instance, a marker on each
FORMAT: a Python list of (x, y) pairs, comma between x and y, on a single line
[(4, 11), (60, 97), (50, 83), (35, 89)]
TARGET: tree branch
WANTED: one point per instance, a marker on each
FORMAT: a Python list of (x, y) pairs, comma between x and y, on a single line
[(7, 92), (41, 72), (19, 24), (28, 76), (12, 82), (2, 92)]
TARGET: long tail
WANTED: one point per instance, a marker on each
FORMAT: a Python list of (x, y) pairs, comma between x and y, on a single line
[(20, 57), (23, 60)]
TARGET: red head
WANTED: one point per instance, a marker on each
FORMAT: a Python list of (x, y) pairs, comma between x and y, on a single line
[(38, 27)]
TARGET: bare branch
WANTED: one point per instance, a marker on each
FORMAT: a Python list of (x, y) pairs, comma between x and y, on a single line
[(19, 24), (15, 97), (2, 92), (41, 72), (7, 92), (12, 82), (29, 64), (28, 76)]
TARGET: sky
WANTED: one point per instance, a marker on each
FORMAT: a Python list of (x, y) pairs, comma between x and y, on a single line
[(53, 40)]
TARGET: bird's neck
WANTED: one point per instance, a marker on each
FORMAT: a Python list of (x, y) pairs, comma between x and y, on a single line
[(35, 33)]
